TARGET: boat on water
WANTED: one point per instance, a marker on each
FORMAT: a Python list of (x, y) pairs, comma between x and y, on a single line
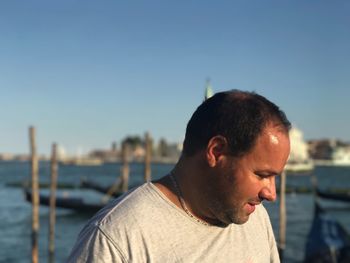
[(327, 241), (72, 203), (299, 160), (79, 204), (115, 189), (343, 196)]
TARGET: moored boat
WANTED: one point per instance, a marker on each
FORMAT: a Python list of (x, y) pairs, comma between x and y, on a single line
[(73, 203), (343, 196), (327, 241)]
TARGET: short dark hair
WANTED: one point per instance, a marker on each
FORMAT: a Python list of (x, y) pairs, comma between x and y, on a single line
[(239, 116)]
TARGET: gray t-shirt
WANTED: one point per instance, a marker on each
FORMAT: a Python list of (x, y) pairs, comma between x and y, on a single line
[(144, 226)]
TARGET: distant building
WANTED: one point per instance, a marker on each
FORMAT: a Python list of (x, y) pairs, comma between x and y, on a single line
[(109, 155), (174, 150), (105, 155), (341, 155), (22, 157), (6, 157), (323, 149), (299, 148), (330, 152), (299, 160), (138, 152), (61, 152), (167, 152)]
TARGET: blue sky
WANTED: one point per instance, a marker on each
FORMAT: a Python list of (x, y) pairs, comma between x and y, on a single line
[(86, 73)]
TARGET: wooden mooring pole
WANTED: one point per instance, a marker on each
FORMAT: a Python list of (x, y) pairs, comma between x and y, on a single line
[(53, 187), (283, 216), (125, 166), (123, 180), (148, 154), (35, 195)]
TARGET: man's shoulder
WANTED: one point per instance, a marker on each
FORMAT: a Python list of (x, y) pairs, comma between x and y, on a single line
[(128, 207), (119, 223)]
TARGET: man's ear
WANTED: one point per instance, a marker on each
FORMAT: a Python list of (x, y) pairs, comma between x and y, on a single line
[(217, 147)]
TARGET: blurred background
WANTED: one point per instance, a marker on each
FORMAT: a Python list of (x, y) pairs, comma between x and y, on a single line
[(92, 75)]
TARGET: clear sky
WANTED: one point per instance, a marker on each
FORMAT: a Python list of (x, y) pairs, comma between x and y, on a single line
[(86, 73)]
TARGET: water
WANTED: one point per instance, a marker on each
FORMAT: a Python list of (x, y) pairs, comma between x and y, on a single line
[(15, 216)]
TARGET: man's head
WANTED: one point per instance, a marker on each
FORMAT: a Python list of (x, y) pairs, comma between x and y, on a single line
[(236, 115), (243, 139)]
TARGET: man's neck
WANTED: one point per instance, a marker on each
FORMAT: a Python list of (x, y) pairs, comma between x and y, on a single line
[(188, 186)]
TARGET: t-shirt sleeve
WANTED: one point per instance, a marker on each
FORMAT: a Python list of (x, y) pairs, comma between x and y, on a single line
[(94, 246)]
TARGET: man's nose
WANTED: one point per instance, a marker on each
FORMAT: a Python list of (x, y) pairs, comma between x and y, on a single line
[(268, 192)]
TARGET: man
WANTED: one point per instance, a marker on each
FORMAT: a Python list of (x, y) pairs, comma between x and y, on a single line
[(208, 208)]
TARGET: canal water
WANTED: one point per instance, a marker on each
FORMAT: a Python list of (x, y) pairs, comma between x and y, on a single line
[(15, 216)]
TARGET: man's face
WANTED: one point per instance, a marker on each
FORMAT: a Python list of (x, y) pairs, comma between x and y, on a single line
[(239, 184)]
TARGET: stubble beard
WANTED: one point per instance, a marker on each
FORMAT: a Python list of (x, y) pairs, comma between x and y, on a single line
[(227, 216), (230, 212), (226, 209)]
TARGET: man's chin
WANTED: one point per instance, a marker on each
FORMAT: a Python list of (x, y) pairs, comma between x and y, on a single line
[(241, 220), (235, 219)]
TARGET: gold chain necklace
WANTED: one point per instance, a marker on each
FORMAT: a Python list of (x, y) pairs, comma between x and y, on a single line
[(182, 201)]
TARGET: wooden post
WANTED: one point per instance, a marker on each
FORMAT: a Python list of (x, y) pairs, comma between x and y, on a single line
[(53, 187), (35, 196), (283, 216), (125, 167), (148, 153), (123, 180)]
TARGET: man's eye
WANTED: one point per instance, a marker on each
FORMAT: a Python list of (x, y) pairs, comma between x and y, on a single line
[(264, 175), (261, 175)]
